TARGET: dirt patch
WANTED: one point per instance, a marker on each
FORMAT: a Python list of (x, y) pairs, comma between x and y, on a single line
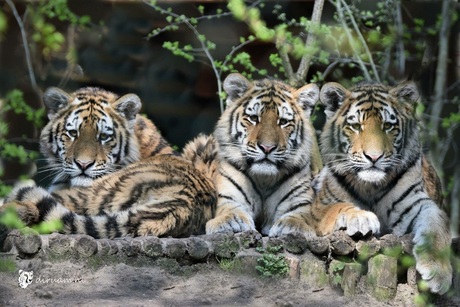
[(198, 271), (163, 284)]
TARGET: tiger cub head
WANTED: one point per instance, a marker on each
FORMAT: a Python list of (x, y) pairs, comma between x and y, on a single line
[(90, 133), (371, 131), (265, 129)]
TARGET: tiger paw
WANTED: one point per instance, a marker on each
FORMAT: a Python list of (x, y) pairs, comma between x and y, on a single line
[(230, 222), (354, 220), (357, 222), (288, 225), (436, 274), (433, 264)]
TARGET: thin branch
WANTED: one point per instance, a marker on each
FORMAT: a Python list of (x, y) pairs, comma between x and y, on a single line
[(400, 43), (288, 71), (441, 68), (25, 44), (350, 39), (305, 62), (361, 38)]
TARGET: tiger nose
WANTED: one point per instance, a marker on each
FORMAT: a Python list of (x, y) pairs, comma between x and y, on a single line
[(266, 148), (374, 157), (83, 164)]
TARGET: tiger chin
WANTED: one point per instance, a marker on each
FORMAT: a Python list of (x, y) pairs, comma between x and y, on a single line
[(260, 158), (376, 178), (118, 176)]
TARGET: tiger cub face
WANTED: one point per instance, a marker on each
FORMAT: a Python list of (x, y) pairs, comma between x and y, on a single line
[(263, 130), (372, 132), (90, 134)]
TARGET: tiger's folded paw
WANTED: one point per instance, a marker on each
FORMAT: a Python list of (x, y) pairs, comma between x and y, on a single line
[(230, 222)]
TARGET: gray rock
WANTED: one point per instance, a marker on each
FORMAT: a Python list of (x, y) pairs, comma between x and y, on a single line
[(26, 241), (318, 245), (85, 246), (295, 243), (174, 248), (382, 277), (249, 239), (225, 245), (350, 278), (367, 248), (341, 243), (390, 245), (312, 270), (197, 248), (59, 244), (152, 247)]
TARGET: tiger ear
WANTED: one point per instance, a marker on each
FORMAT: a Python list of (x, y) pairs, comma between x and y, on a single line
[(332, 96), (307, 96), (235, 85), (55, 99), (407, 93), (128, 105)]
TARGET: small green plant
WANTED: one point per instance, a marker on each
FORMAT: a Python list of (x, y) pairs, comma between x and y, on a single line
[(229, 265), (271, 264)]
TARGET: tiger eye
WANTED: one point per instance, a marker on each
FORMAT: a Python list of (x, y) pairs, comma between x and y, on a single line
[(254, 118), (387, 126), (104, 137), (73, 133), (355, 126), (283, 121)]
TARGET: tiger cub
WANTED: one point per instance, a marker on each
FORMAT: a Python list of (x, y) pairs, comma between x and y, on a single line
[(260, 158), (376, 178), (93, 132), (109, 193)]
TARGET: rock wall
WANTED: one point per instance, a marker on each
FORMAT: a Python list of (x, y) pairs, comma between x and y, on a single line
[(381, 267)]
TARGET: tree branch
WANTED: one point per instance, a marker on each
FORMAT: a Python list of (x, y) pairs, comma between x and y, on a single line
[(25, 43), (305, 62), (441, 67), (361, 38)]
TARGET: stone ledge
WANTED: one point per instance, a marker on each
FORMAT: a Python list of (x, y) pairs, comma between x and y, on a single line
[(352, 266)]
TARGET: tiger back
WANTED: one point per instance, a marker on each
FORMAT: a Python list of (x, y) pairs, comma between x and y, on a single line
[(261, 153), (376, 178), (93, 132)]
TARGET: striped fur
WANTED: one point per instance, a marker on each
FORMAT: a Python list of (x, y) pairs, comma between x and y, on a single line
[(376, 178), (161, 196), (263, 143), (93, 132), (119, 177)]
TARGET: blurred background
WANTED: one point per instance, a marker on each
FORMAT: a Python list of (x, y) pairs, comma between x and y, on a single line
[(175, 54)]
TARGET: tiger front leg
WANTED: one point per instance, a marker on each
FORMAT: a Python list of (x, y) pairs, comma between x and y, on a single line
[(230, 218), (297, 221), (345, 216), (432, 243)]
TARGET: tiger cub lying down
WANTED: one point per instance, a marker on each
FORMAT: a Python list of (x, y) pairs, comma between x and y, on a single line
[(104, 191), (376, 178), (260, 158)]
